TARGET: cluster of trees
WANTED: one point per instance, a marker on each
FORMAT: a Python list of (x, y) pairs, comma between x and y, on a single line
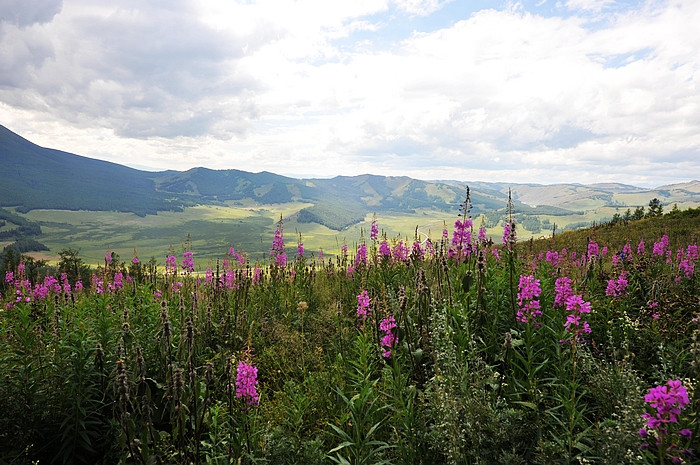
[(655, 209), (24, 229), (330, 218)]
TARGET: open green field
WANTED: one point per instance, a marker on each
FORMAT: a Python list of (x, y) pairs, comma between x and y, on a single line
[(212, 230)]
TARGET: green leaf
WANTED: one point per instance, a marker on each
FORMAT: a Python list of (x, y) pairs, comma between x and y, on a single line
[(529, 405), (340, 446)]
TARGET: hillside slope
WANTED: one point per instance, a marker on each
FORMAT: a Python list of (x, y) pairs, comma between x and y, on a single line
[(36, 177), (41, 178)]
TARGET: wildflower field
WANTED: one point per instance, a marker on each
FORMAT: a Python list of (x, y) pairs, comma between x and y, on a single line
[(452, 350)]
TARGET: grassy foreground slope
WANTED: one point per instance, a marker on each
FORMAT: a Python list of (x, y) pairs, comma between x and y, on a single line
[(455, 351)]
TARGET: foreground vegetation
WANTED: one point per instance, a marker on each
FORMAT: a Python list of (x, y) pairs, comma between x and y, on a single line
[(450, 351)]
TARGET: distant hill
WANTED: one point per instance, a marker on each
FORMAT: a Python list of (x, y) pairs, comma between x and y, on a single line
[(36, 177), (41, 178)]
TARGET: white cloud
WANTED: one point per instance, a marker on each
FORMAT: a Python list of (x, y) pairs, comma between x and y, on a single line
[(324, 88), (421, 7), (24, 13), (589, 5)]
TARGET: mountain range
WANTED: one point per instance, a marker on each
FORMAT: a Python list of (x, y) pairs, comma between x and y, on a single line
[(35, 177)]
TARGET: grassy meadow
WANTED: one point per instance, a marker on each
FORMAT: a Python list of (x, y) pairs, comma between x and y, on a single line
[(582, 348), (214, 229)]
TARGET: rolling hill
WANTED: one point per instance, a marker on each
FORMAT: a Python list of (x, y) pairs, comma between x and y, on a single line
[(42, 178)]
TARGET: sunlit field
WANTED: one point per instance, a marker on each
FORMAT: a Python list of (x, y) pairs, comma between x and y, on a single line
[(250, 228)]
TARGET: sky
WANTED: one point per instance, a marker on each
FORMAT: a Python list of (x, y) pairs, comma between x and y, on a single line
[(531, 91)]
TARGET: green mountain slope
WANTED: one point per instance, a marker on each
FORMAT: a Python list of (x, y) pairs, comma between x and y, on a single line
[(36, 177), (40, 178)]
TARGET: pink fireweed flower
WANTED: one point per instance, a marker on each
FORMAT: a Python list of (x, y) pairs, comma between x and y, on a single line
[(417, 253), (374, 231), (429, 248), (528, 302), (482, 234), (552, 257), (660, 247), (300, 249), (679, 254), (209, 275), (40, 292), (687, 267), (363, 302), (506, 232), (593, 250), (118, 282), (640, 248), (668, 401), (237, 256), (615, 260), (627, 250), (66, 284), (188, 262), (277, 250), (361, 255), (171, 264), (52, 284), (230, 280), (388, 325), (108, 258), (692, 252), (97, 284), (576, 307), (135, 260), (246, 383), (400, 252), (9, 276), (617, 287), (257, 274), (461, 238), (384, 250), (562, 291)]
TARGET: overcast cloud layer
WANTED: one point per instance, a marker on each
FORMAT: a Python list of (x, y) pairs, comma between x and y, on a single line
[(540, 91)]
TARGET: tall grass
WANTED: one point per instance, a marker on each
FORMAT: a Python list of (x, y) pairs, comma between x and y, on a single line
[(437, 365)]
